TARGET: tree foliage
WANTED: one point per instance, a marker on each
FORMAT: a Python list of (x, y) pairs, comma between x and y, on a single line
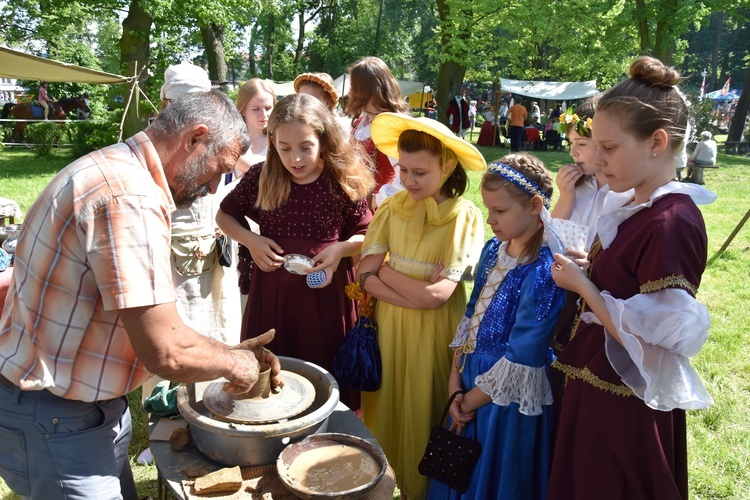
[(441, 42)]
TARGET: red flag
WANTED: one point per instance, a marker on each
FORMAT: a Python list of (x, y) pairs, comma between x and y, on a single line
[(725, 88)]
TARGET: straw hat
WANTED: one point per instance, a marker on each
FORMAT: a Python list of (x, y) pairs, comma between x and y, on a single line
[(386, 128), (316, 79), (184, 78)]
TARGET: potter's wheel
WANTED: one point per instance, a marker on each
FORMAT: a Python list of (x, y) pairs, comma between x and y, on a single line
[(295, 397)]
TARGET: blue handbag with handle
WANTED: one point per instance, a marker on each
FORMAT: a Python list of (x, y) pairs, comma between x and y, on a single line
[(357, 364)]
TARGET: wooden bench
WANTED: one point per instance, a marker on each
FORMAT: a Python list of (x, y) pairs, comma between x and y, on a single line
[(695, 172)]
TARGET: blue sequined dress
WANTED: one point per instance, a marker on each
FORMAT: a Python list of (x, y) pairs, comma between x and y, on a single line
[(506, 333)]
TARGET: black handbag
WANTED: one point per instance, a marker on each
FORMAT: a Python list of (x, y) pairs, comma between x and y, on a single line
[(450, 458)]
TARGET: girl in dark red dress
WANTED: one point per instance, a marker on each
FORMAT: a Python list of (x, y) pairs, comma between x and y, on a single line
[(374, 90), (309, 198), (621, 432)]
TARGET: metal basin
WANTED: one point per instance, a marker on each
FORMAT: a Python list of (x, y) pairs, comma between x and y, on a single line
[(247, 445)]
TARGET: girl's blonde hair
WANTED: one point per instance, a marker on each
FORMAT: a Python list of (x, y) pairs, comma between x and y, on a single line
[(370, 78), (250, 89), (533, 168), (342, 161)]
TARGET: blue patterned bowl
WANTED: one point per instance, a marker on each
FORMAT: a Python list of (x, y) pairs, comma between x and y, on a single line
[(316, 279)]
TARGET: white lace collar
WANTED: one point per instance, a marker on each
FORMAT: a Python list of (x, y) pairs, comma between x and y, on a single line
[(607, 224)]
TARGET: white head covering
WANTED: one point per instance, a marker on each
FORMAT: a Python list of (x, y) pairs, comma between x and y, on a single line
[(183, 78)]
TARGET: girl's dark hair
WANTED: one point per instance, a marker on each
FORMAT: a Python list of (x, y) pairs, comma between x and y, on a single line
[(648, 101), (412, 141), (533, 168), (456, 184)]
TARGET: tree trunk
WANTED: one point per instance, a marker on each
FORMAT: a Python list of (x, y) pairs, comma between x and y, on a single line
[(252, 66), (642, 18), (300, 36), (213, 41), (136, 29), (377, 28), (719, 25), (738, 120), (449, 79), (450, 72), (271, 44), (664, 41)]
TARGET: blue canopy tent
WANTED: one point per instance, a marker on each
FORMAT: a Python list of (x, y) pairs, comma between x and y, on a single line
[(729, 96)]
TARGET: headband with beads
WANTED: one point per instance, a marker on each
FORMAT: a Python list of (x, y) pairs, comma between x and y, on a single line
[(514, 176)]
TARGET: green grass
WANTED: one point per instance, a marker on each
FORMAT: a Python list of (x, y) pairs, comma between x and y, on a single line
[(718, 438)]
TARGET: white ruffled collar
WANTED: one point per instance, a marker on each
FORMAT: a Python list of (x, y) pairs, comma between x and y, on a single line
[(607, 224)]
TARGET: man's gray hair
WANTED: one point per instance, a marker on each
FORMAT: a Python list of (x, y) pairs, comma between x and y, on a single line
[(213, 109), (705, 135)]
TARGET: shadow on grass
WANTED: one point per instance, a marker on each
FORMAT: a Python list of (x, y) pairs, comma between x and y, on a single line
[(20, 164), (147, 487)]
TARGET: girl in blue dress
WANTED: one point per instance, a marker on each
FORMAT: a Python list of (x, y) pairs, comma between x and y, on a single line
[(502, 343)]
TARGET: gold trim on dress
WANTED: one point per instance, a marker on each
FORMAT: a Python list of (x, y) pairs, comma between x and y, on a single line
[(556, 346), (411, 267), (585, 375), (669, 281)]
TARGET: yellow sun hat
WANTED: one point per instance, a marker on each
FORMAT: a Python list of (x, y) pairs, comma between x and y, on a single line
[(386, 128)]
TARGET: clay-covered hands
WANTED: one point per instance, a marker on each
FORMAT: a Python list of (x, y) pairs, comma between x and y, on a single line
[(266, 253), (256, 353)]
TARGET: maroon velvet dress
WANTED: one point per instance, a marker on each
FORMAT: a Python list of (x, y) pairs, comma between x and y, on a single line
[(310, 323), (609, 443)]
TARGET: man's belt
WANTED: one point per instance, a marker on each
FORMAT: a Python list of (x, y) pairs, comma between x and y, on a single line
[(7, 383)]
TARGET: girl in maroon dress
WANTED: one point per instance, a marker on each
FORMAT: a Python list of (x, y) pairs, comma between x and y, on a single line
[(309, 198), (621, 432)]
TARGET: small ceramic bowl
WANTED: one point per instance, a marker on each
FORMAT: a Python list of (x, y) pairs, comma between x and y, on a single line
[(316, 279), (296, 263), (331, 466)]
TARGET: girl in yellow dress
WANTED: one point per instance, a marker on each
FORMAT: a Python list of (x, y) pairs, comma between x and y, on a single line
[(420, 247)]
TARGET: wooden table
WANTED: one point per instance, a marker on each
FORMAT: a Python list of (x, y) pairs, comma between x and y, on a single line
[(171, 465)]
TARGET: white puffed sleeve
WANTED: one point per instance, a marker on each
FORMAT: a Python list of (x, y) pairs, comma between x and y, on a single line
[(659, 332)]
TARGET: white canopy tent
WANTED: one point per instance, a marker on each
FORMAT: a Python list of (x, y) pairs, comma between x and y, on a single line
[(558, 91), (16, 64), (341, 84)]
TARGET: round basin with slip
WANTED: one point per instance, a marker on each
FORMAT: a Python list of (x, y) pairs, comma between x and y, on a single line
[(331, 466)]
